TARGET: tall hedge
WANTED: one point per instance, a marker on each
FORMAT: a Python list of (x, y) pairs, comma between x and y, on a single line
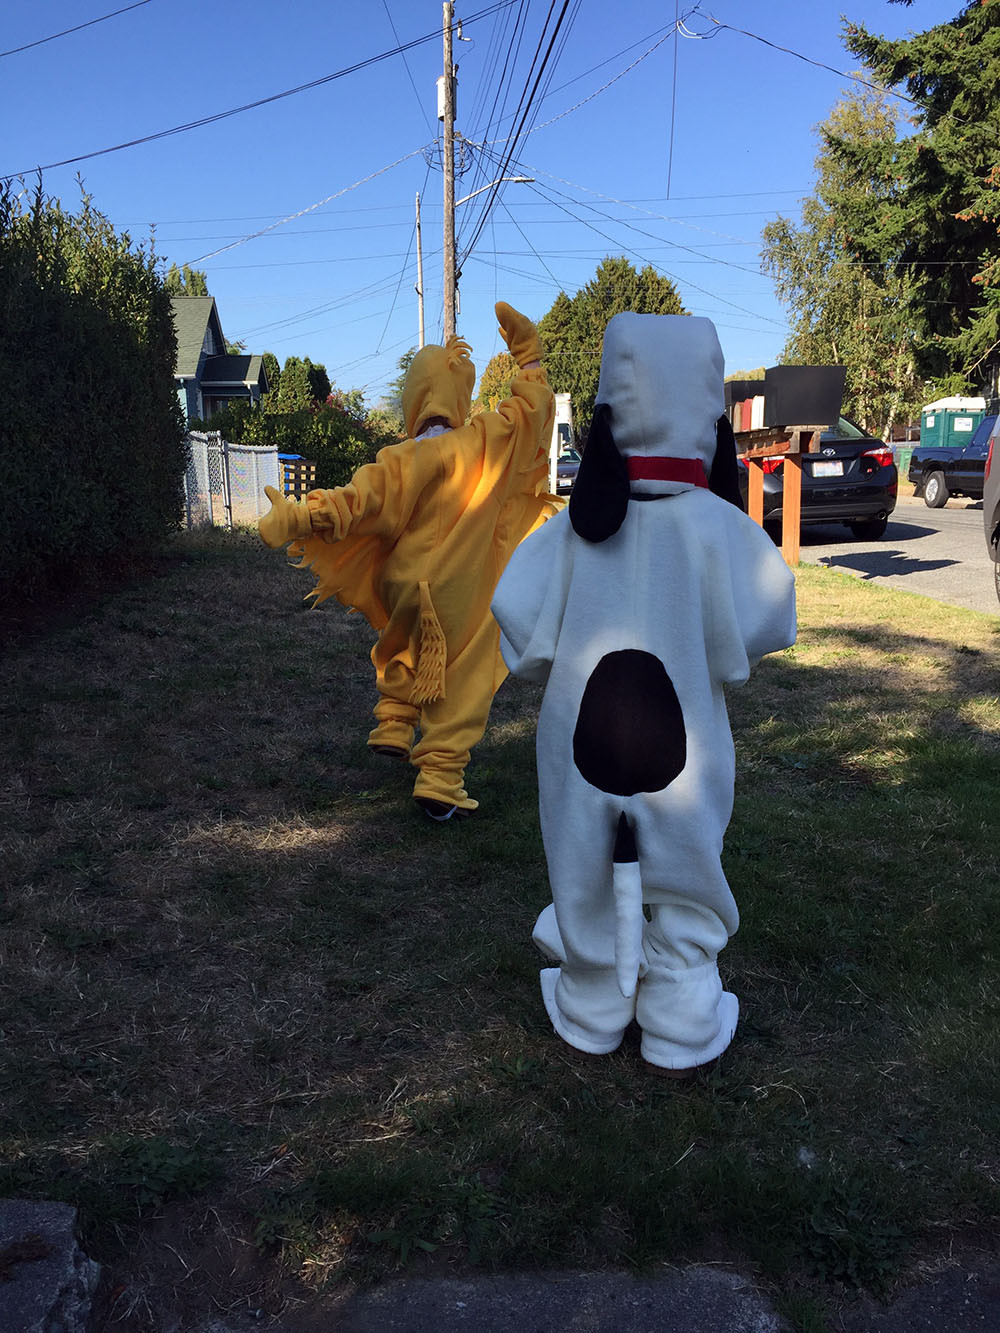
[(91, 434)]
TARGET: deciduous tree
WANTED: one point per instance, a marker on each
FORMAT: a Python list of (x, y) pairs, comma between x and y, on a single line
[(185, 281), (844, 310)]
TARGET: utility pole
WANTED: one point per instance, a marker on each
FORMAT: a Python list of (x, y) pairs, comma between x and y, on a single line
[(420, 276), (448, 116)]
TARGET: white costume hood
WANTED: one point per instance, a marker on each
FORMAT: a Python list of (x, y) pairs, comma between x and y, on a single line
[(659, 426), (661, 376)]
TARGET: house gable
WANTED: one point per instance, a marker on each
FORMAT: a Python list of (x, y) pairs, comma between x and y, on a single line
[(207, 375), (199, 333)]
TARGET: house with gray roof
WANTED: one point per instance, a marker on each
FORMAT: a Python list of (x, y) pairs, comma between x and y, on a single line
[(207, 376)]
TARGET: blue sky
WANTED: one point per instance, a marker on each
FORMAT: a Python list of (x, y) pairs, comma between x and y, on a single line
[(679, 162)]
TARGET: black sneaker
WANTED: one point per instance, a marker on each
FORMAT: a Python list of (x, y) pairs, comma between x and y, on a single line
[(440, 811)]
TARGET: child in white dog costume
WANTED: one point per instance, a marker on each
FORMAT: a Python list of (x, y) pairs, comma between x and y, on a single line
[(634, 608)]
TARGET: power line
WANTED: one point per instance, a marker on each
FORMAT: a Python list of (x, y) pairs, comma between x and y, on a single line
[(303, 211), (403, 270), (66, 31), (673, 98), (249, 106), (491, 193), (409, 73), (502, 85), (684, 281), (527, 100)]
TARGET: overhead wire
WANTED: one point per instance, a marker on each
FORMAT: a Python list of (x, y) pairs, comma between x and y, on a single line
[(659, 268), (249, 106), (527, 101), (673, 98), (14, 50), (499, 84), (409, 72), (502, 84), (402, 271), (484, 205), (303, 211)]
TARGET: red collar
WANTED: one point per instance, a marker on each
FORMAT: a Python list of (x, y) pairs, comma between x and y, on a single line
[(690, 470)]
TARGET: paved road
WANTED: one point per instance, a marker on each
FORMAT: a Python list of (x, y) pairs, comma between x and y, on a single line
[(938, 553)]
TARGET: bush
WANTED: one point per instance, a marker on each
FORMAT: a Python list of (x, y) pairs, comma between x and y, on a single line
[(91, 434), (339, 436)]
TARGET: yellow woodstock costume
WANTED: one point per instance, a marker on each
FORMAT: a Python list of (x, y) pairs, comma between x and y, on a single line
[(417, 542)]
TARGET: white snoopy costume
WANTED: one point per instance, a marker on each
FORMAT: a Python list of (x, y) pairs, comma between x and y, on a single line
[(635, 607)]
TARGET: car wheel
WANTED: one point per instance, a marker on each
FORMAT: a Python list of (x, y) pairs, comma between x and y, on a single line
[(935, 491), (869, 529)]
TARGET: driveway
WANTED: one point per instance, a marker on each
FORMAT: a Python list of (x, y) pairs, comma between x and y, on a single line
[(938, 553)]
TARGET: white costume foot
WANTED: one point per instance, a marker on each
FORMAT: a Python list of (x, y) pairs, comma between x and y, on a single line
[(583, 1039), (674, 1055)]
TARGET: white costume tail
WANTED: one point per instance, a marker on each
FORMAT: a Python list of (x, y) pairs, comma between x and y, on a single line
[(629, 919)]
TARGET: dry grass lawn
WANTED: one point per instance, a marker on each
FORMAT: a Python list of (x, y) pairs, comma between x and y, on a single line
[(270, 1029)]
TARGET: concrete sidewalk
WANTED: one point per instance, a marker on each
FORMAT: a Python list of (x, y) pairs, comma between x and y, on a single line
[(48, 1286)]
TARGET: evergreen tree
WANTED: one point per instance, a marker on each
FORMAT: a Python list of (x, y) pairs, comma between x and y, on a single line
[(494, 382), (937, 220), (273, 372), (572, 331), (294, 393), (319, 381), (393, 401)]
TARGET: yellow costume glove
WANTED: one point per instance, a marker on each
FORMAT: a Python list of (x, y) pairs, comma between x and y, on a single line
[(286, 520), (519, 334)]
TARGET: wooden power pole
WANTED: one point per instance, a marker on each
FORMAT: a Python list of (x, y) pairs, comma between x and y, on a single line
[(420, 276), (448, 115)]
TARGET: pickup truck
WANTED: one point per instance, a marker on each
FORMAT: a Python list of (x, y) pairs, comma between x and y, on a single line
[(951, 469), (991, 504)]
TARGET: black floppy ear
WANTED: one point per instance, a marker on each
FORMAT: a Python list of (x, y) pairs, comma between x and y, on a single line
[(724, 478), (599, 497)]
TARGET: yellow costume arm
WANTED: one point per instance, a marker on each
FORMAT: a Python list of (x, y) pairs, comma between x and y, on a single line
[(286, 520), (519, 334), (379, 499), (528, 412)]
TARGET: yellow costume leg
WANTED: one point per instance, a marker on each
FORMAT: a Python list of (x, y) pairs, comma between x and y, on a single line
[(451, 725), (397, 718)]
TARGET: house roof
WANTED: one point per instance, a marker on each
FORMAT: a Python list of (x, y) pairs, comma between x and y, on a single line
[(191, 318), (228, 370)]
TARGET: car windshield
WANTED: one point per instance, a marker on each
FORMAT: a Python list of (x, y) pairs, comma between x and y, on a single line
[(845, 430), (983, 431), (569, 456)]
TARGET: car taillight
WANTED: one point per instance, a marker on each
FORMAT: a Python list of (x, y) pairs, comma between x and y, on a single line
[(881, 455), (771, 464), (989, 458)]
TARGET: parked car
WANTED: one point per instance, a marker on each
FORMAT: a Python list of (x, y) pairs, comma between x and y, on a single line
[(852, 480), (567, 466), (938, 471), (991, 501)]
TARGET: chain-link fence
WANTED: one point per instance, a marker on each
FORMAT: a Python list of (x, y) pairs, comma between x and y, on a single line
[(224, 483)]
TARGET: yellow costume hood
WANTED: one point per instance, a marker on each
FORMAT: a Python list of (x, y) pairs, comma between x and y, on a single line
[(439, 383)]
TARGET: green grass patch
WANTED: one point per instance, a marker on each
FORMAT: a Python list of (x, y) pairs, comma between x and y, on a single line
[(246, 979)]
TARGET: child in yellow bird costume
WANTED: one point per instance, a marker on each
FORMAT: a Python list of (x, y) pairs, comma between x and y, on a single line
[(417, 542)]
